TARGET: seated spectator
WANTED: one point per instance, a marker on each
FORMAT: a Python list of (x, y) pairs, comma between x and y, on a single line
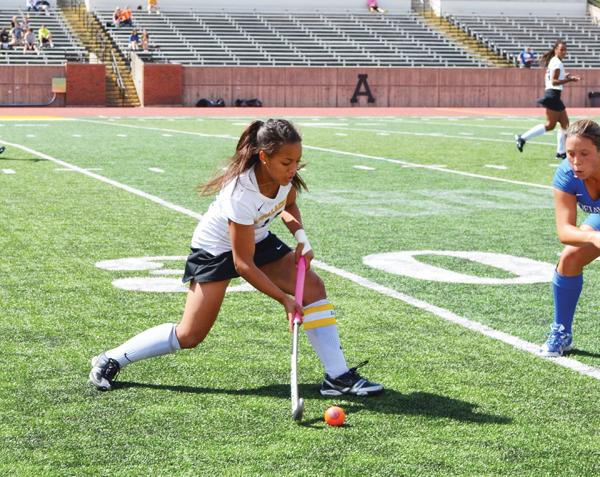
[(4, 40), (45, 37), (31, 5), (29, 43), (374, 8), (145, 40), (16, 35), (527, 58), (153, 7), (126, 17), (43, 5), (134, 40), (116, 16)]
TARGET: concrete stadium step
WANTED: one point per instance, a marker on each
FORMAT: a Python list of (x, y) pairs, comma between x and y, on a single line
[(97, 41), (470, 44)]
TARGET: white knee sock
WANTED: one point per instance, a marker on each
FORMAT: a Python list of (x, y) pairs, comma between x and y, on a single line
[(534, 131), (321, 330), (153, 342), (561, 138)]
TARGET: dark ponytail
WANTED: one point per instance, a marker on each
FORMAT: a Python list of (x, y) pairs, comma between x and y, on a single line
[(546, 57), (267, 136)]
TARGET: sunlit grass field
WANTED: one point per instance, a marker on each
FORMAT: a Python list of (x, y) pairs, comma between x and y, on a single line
[(74, 193)]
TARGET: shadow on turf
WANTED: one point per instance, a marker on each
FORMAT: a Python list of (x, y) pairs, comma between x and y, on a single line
[(390, 402), (5, 158), (582, 352)]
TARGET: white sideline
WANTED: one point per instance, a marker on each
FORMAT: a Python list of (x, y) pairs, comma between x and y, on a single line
[(433, 309), (343, 153)]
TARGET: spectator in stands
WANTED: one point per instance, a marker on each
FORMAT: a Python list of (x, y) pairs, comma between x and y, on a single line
[(134, 40), (31, 5), (153, 7), (126, 17), (116, 16), (555, 109), (527, 58), (145, 40), (45, 37), (43, 5), (14, 22), (29, 43), (374, 7), (16, 35), (4, 40)]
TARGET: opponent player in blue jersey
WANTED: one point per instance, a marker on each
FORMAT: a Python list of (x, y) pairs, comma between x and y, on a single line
[(576, 183)]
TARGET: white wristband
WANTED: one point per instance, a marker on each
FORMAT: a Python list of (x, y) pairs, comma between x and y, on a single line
[(301, 237)]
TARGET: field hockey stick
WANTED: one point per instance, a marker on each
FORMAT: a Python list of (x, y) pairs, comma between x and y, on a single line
[(297, 402)]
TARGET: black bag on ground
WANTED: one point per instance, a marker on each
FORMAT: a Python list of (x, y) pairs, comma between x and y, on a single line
[(209, 103), (248, 103)]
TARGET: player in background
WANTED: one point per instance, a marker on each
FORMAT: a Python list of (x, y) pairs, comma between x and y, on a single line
[(232, 240), (555, 108), (576, 184)]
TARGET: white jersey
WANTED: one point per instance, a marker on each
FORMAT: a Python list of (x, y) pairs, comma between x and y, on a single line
[(241, 202), (555, 64)]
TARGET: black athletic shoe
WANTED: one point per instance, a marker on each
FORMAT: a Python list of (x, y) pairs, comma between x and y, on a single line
[(2, 149), (520, 143), (104, 371), (561, 155), (350, 383)]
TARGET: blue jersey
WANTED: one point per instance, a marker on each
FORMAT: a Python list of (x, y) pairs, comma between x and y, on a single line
[(565, 180)]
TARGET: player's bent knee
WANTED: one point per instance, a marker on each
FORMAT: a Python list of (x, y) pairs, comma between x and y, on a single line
[(189, 340), (572, 260)]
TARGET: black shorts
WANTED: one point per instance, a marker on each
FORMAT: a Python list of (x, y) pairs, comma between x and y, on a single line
[(551, 100), (203, 267)]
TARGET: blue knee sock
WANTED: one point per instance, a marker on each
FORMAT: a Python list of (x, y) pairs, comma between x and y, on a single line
[(566, 294)]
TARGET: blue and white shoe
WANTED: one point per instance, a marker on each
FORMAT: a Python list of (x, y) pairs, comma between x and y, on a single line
[(558, 342)]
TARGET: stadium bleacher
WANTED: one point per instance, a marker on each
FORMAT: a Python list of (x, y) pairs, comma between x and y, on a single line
[(509, 35), (291, 39), (66, 45)]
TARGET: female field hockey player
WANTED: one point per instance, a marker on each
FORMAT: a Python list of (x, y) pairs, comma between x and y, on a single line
[(576, 183), (232, 240), (555, 109)]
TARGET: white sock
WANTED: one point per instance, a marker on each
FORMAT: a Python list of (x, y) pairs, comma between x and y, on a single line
[(321, 330), (534, 131), (153, 342), (561, 138)]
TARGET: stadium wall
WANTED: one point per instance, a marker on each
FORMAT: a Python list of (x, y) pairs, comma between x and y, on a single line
[(32, 85), (396, 6), (564, 8), (391, 87)]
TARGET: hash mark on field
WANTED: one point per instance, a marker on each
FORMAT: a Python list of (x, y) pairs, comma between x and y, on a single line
[(8, 171), (30, 135), (156, 169), (122, 135), (167, 135), (340, 134), (77, 135), (364, 168), (492, 166), (383, 134), (466, 133), (554, 165)]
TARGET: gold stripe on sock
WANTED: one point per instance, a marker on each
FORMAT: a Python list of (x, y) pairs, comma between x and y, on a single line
[(316, 309), (318, 323)]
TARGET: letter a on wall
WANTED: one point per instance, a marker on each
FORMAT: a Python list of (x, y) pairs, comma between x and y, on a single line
[(362, 82)]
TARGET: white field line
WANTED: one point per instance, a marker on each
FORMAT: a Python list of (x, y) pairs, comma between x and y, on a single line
[(343, 153), (9, 171), (132, 190), (433, 309)]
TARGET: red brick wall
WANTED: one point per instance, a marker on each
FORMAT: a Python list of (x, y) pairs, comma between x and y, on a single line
[(162, 85), (28, 84), (391, 87), (86, 84)]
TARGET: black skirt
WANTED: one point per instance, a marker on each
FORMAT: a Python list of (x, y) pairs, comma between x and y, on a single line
[(551, 100), (203, 267)]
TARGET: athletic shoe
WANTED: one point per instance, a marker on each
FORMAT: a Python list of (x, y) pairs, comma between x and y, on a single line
[(558, 342), (349, 383), (2, 149), (104, 371), (520, 143), (561, 155)]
